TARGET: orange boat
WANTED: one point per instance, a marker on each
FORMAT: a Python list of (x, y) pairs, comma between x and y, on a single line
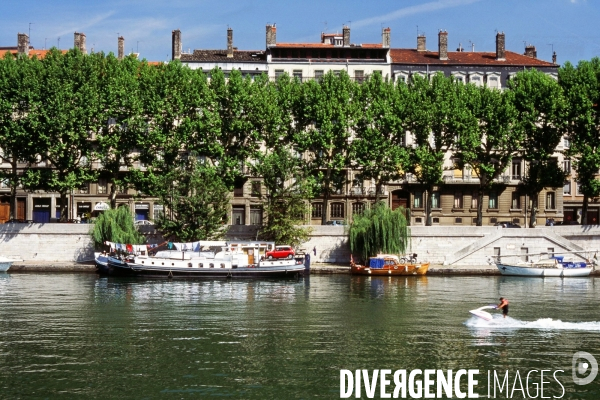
[(388, 264)]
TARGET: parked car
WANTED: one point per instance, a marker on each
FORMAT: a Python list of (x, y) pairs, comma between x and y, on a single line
[(144, 222), (335, 222), (507, 224), (281, 252)]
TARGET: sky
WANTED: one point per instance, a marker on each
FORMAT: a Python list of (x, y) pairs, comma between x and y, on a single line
[(569, 27)]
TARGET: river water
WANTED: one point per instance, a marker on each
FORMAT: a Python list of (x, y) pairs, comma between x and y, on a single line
[(84, 336)]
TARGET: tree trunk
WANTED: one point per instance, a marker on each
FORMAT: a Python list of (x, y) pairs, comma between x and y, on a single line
[(13, 191), (64, 215), (584, 211), (326, 186), (113, 196), (479, 207), (428, 206), (533, 215)]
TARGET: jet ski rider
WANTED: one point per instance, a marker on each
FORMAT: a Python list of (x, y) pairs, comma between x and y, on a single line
[(504, 306)]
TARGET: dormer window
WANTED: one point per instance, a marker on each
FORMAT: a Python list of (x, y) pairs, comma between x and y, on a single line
[(493, 81), (476, 79)]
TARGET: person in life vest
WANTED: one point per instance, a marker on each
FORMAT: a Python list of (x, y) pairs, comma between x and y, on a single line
[(504, 306)]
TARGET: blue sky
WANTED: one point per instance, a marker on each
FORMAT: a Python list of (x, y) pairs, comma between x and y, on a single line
[(568, 26)]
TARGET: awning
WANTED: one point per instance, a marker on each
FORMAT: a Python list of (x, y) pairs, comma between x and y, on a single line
[(101, 206)]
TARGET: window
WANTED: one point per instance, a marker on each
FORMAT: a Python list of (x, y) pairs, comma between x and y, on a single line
[(493, 200), (515, 203), (476, 80), (158, 211), (418, 220), (458, 200), (550, 201), (298, 74), (436, 220), (493, 82), (359, 76), (493, 220), (567, 166), (578, 189), (238, 190), (435, 200), (255, 216), (238, 215), (102, 186), (84, 189), (317, 210), (567, 187), (278, 73), (255, 189), (458, 220), (566, 143), (358, 208), (474, 200), (418, 200), (516, 170), (319, 74), (337, 210), (337, 72)]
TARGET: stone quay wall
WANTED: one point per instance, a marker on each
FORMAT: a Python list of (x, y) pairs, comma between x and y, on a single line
[(442, 245)]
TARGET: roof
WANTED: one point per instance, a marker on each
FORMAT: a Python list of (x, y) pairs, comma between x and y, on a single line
[(330, 46), (221, 56), (32, 52), (412, 56)]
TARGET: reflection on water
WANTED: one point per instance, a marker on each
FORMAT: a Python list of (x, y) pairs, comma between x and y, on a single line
[(78, 335)]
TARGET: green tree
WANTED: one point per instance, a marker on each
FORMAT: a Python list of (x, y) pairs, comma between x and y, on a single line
[(378, 150), (325, 113), (116, 225), (541, 110), (196, 201), (437, 110), (379, 230), (122, 113), (488, 144), (19, 94), (287, 186), (582, 90), (65, 119)]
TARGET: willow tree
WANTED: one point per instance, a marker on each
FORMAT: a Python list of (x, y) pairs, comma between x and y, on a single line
[(379, 230), (116, 225)]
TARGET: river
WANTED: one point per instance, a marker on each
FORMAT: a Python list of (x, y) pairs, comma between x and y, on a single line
[(66, 335)]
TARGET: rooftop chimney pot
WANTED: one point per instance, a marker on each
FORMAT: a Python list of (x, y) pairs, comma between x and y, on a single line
[(229, 43), (443, 45), (346, 31), (23, 43), (176, 44), (121, 50), (421, 44)]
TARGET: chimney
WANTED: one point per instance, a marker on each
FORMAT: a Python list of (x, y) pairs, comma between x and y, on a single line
[(121, 51), (443, 45), (553, 57), (176, 44), (421, 43), (271, 35), (530, 51), (500, 47), (23, 43), (346, 31), (385, 38), (79, 42), (229, 43)]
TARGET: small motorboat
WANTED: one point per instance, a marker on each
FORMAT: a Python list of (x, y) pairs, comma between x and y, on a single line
[(389, 264), (478, 312), (5, 263), (555, 266)]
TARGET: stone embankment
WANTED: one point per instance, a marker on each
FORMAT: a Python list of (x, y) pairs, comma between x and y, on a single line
[(451, 250)]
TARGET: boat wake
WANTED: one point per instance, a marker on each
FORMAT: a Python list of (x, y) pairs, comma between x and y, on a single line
[(543, 324)]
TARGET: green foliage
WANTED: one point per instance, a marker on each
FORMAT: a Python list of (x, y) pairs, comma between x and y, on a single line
[(116, 225), (541, 111), (582, 89), (379, 230), (196, 201)]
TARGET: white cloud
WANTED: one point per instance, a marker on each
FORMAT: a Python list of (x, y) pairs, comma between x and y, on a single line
[(82, 26), (403, 12)]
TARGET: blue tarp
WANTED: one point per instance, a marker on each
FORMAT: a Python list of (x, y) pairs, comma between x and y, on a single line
[(376, 263)]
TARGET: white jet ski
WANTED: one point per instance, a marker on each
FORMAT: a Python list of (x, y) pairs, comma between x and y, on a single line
[(483, 314)]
